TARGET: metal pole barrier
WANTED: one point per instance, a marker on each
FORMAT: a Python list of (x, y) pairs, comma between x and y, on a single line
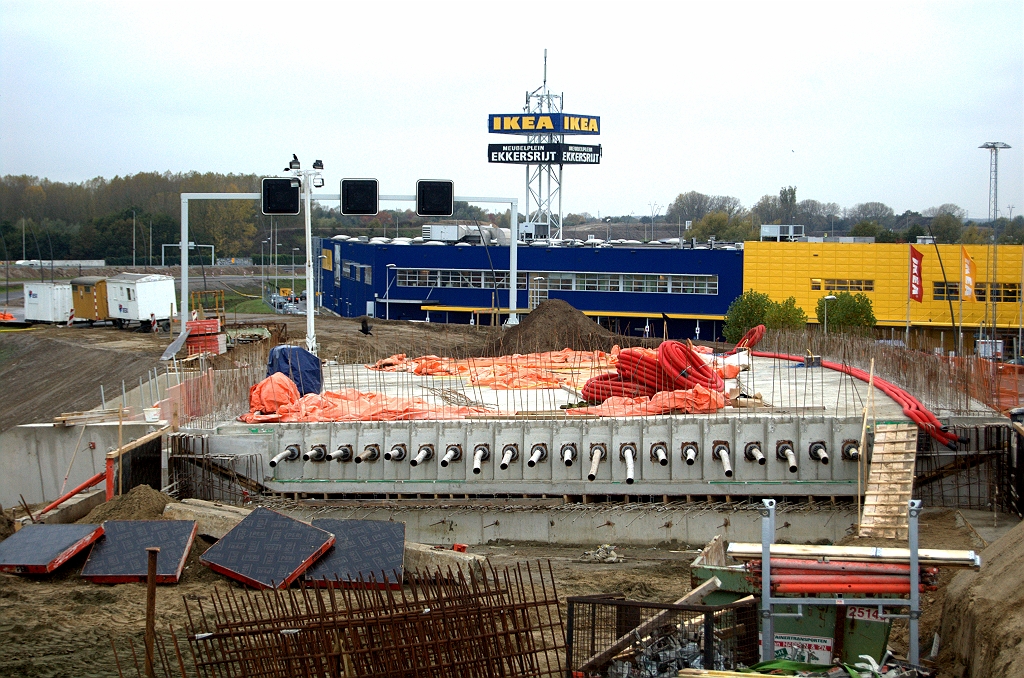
[(914, 506), (767, 622), (709, 641), (151, 610)]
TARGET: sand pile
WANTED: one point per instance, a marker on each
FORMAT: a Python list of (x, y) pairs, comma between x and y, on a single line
[(552, 326), (141, 503), (983, 616)]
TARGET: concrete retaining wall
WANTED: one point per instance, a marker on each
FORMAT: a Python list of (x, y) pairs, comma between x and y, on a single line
[(634, 525), (35, 457)]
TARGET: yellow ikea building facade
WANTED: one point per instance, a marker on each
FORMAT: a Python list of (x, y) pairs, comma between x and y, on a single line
[(808, 271)]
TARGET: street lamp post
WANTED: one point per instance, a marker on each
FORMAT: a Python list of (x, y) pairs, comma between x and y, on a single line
[(294, 295), (829, 298)]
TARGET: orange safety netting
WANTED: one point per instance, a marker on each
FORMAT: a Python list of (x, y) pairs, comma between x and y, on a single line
[(697, 400), (345, 405), (549, 369)]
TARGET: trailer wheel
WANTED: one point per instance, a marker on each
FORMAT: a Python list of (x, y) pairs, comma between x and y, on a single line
[(165, 325)]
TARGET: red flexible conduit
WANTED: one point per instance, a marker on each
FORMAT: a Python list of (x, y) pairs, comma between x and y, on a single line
[(912, 407), (685, 368)]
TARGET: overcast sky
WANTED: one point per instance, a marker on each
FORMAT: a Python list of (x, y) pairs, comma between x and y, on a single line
[(849, 102)]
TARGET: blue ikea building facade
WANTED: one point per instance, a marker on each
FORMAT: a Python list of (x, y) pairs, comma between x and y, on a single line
[(626, 288)]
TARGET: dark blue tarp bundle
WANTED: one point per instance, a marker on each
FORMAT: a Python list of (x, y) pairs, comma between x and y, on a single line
[(297, 364)]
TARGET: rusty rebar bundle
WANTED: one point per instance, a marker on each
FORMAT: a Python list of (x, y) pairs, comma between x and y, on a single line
[(443, 624)]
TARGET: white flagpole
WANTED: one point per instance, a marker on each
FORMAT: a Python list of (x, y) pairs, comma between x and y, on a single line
[(910, 284), (960, 294)]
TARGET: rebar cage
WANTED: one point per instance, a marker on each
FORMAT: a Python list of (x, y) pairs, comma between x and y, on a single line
[(984, 475), (617, 638), (195, 473), (494, 623)]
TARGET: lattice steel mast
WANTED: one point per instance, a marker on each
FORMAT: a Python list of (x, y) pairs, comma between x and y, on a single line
[(544, 181), (993, 177)]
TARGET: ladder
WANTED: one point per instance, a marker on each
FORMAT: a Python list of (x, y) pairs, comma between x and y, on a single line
[(890, 482)]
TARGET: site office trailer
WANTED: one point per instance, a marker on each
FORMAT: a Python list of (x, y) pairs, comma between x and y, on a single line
[(134, 297), (48, 302), (89, 296)]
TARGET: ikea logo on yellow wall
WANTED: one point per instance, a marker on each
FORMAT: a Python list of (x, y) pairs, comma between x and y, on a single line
[(543, 123)]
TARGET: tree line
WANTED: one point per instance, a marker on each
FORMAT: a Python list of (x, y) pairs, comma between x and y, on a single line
[(725, 218), (94, 219), (43, 219)]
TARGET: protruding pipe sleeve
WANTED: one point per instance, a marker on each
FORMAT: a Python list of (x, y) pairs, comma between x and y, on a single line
[(508, 455), (754, 454), (451, 453), (425, 453), (290, 453), (595, 461), (396, 453), (538, 453), (722, 452), (629, 469), (369, 453), (315, 453), (818, 452), (660, 454), (790, 455), (689, 454), (343, 453), (480, 454), (568, 454)]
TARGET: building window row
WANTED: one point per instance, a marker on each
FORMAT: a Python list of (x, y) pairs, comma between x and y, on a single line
[(480, 280), (1001, 292), (561, 280), (842, 285)]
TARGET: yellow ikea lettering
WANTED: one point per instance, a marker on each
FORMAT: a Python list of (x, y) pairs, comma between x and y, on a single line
[(497, 123), (574, 123), (528, 122), (544, 122), (511, 122), (593, 125)]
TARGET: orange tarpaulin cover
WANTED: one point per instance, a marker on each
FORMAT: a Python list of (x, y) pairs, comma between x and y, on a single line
[(271, 393), (692, 401), (272, 401), (549, 369)]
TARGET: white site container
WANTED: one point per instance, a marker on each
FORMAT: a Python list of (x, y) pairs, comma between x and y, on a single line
[(135, 297), (48, 302)]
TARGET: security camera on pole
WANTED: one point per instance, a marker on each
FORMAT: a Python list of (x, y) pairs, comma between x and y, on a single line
[(307, 180)]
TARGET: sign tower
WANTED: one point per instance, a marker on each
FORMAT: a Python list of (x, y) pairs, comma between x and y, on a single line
[(545, 126)]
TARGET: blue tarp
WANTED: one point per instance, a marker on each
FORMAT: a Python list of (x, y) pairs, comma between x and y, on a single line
[(297, 364)]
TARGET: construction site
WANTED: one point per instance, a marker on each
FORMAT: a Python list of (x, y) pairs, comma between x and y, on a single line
[(547, 499)]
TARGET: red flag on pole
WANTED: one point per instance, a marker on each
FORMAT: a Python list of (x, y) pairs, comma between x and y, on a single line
[(916, 288)]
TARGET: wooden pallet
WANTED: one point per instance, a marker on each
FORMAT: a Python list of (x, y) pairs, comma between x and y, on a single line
[(890, 482)]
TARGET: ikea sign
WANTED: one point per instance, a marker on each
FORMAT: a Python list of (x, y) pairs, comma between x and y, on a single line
[(543, 123)]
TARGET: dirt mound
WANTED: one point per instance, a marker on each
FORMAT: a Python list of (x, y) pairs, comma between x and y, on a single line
[(552, 326), (983, 615), (141, 503), (86, 358)]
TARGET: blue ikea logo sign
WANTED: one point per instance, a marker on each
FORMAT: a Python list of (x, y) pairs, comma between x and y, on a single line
[(543, 123)]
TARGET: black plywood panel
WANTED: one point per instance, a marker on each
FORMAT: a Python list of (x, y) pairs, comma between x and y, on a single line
[(363, 549), (39, 549), (267, 549), (121, 555)]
